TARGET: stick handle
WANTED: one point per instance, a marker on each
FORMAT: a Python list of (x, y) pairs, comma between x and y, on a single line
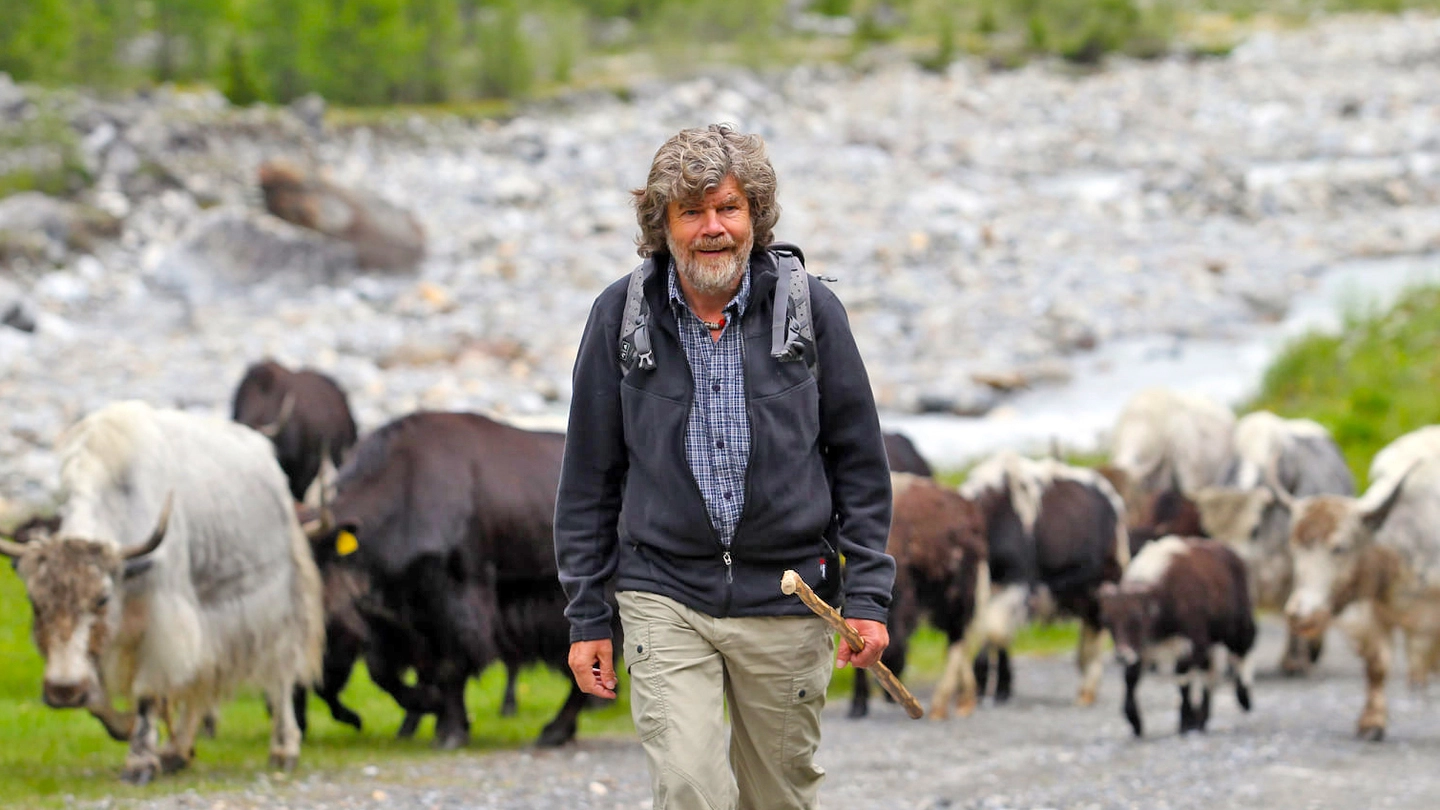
[(791, 583)]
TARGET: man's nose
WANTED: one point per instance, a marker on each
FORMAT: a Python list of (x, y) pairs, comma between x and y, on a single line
[(711, 226)]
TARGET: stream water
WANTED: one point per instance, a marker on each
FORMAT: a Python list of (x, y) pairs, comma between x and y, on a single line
[(1079, 414)]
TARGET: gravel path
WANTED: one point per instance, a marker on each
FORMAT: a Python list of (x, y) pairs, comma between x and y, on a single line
[(1294, 751)]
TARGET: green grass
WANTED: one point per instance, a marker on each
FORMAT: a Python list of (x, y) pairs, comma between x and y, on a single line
[(1378, 379)]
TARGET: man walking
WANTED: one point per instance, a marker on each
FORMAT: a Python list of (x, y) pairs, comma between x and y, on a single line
[(694, 478)]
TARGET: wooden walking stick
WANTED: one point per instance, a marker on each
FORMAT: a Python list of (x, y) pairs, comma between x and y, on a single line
[(791, 583)]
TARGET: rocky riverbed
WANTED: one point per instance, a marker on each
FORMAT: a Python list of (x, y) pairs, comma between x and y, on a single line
[(1295, 750), (988, 229)]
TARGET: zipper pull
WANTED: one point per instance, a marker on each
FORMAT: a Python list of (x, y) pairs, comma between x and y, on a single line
[(729, 572)]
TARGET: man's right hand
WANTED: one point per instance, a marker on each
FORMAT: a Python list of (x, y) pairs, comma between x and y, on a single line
[(593, 663)]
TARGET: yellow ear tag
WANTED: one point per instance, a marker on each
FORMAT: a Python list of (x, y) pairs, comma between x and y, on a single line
[(346, 543)]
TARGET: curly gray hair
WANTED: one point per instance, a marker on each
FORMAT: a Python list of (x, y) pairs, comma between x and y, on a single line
[(695, 161)]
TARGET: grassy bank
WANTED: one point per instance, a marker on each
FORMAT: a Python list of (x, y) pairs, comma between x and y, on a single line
[(1376, 380)]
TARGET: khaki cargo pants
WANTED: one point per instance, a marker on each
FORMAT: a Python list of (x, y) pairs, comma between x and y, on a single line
[(772, 673)]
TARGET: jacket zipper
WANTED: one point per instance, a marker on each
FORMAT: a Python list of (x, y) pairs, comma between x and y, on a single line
[(724, 549)]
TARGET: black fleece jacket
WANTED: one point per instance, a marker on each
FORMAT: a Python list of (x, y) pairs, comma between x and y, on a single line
[(629, 506)]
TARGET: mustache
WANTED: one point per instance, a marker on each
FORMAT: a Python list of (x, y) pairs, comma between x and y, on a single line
[(717, 243)]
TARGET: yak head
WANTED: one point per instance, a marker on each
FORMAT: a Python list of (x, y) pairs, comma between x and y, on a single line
[(1130, 611), (74, 588), (1336, 559)]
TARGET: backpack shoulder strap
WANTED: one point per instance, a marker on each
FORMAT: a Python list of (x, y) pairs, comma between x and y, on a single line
[(792, 332), (635, 349)]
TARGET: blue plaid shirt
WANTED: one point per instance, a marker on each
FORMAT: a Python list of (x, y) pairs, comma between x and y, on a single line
[(717, 437)]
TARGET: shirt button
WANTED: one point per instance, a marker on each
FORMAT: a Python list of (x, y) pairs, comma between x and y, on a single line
[(719, 444), (727, 496), (715, 388)]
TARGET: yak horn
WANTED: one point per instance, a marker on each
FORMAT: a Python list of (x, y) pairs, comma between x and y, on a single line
[(10, 548), (1272, 479), (155, 536), (287, 408)]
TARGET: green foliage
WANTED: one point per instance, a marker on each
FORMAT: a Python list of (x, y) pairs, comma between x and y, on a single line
[(507, 63), (380, 52), (36, 39), (1378, 379)]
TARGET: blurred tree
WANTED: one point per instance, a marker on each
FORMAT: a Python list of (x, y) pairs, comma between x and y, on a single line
[(507, 66), (36, 39), (184, 30)]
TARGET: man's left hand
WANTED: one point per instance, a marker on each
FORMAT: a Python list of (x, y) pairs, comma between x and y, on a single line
[(876, 637)]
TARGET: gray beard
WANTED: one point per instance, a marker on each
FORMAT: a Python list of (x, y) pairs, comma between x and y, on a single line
[(712, 276)]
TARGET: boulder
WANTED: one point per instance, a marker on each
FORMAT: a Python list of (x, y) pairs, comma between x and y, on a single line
[(40, 229), (230, 248), (384, 236)]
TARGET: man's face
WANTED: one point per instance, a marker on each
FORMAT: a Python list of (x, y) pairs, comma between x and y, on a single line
[(711, 238)]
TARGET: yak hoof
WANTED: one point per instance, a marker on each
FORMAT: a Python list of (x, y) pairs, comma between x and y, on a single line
[(349, 718), (939, 712), (1085, 698), (452, 741), (556, 735), (283, 762), (858, 710), (1371, 733), (170, 762), (1294, 667), (141, 772)]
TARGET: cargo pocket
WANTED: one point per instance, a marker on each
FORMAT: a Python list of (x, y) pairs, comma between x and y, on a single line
[(802, 721), (647, 695)]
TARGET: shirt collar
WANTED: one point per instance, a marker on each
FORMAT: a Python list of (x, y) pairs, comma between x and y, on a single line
[(738, 302)]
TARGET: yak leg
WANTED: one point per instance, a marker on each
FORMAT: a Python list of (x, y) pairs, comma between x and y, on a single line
[(1132, 709), (1372, 639), (1004, 677), (508, 706), (1417, 660), (452, 723), (1297, 657), (119, 725), (142, 763), (341, 651), (982, 671), (1376, 652), (1090, 662), (562, 728), (284, 730), (957, 682), (180, 749), (1212, 667), (1185, 674), (1244, 678), (860, 702)]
